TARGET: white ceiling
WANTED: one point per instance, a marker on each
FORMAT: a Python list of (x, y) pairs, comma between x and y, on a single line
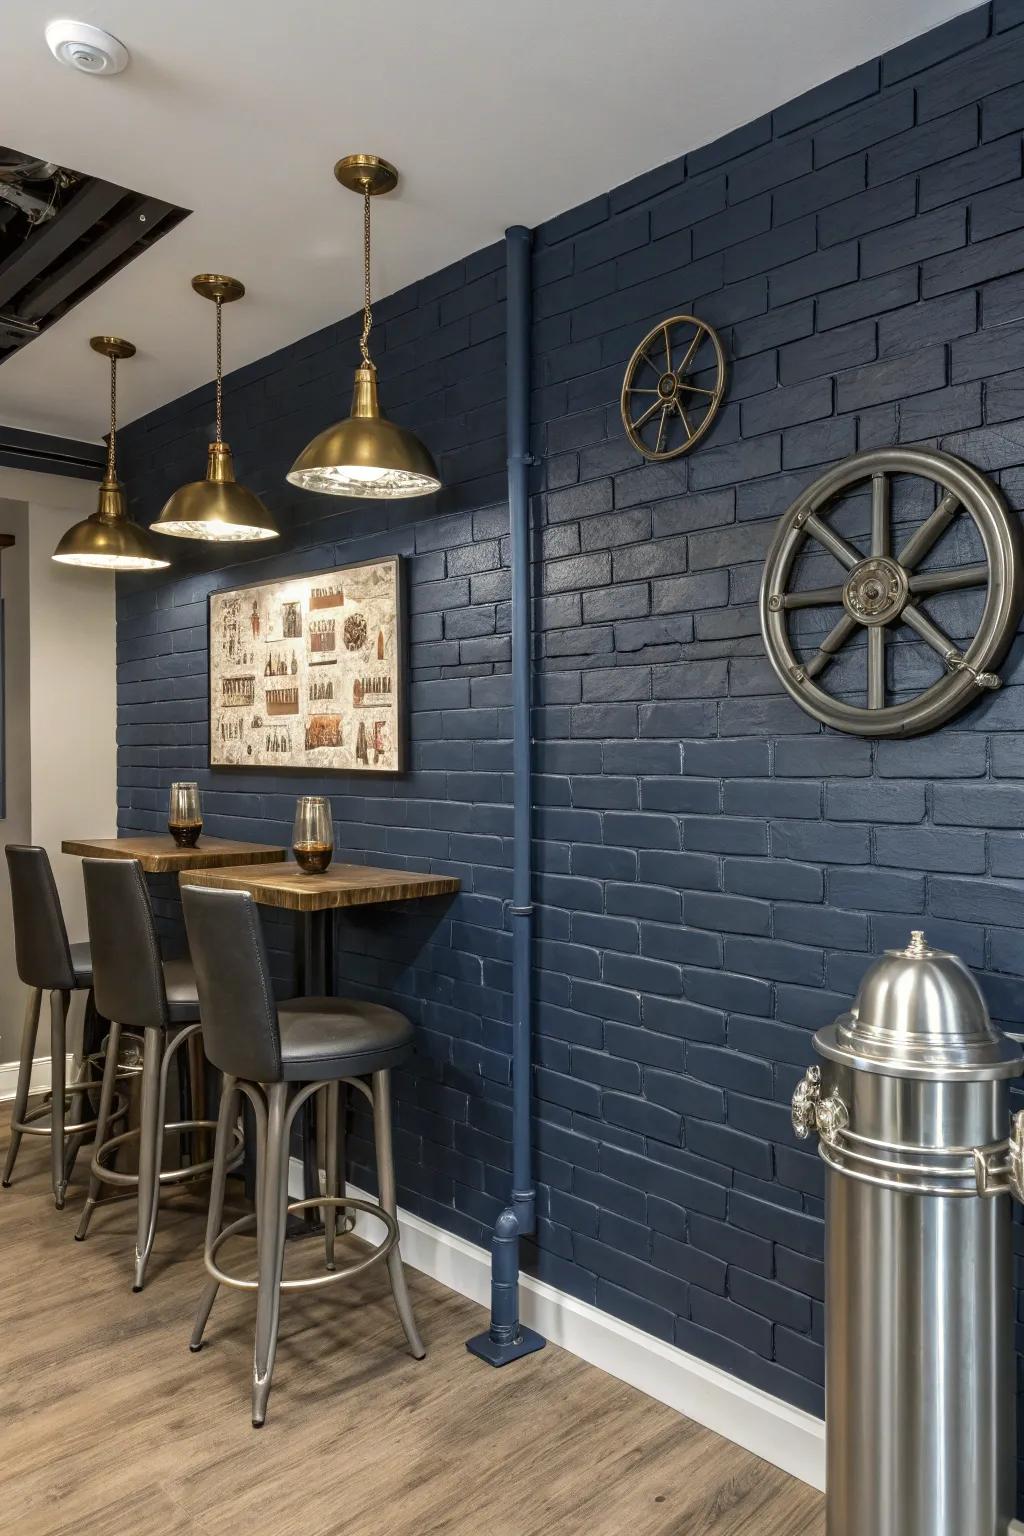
[(495, 111)]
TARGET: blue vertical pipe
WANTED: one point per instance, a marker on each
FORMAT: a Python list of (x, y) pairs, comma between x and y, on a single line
[(506, 1339)]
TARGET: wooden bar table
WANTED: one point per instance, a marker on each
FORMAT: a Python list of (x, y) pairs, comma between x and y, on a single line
[(317, 898), (159, 854)]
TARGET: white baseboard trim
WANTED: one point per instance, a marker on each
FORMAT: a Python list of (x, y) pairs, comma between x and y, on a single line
[(40, 1076), (785, 1436)]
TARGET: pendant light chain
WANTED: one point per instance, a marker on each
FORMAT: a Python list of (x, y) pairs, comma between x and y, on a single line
[(367, 313), (112, 439), (220, 383)]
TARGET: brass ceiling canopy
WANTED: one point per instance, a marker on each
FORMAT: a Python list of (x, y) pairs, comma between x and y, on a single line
[(217, 509), (366, 455), (109, 540)]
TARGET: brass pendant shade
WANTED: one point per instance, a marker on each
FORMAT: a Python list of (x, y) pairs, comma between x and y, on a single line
[(217, 509), (366, 455), (109, 540)]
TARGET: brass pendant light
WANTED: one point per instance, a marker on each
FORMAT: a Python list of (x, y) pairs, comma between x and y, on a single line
[(109, 540), (366, 455), (217, 509)]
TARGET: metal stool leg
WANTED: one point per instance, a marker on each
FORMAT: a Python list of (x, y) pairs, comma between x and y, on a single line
[(149, 1152), (170, 1048), (218, 1181), (346, 1219), (79, 1109), (102, 1121), (197, 1090), (30, 1030), (273, 1204), (60, 1003), (389, 1203), (77, 1141), (330, 1097)]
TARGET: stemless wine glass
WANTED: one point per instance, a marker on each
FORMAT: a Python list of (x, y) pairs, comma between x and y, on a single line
[(185, 815), (313, 835)]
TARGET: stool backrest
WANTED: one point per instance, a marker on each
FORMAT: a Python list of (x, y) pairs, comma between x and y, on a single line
[(41, 946), (127, 972), (236, 1001)]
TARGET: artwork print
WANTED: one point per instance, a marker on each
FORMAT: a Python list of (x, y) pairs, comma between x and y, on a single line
[(307, 672)]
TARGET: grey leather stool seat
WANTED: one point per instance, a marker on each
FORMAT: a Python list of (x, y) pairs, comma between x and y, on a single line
[(47, 962), (279, 1056), (136, 989)]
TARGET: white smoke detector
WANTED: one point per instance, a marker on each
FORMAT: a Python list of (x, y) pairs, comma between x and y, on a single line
[(90, 49)]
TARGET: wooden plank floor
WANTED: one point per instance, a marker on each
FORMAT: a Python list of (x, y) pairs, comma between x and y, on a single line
[(108, 1424)]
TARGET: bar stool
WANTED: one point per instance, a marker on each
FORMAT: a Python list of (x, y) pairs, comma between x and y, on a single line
[(279, 1056), (47, 962), (136, 989)]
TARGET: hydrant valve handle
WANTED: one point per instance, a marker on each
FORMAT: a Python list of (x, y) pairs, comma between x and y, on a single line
[(1016, 1156), (804, 1107)]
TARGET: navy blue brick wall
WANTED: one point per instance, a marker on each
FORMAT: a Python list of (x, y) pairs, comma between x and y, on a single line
[(714, 871)]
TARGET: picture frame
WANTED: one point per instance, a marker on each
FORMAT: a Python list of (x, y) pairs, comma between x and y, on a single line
[(307, 673)]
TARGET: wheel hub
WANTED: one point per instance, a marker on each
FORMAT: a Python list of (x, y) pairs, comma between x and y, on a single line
[(876, 590), (668, 386)]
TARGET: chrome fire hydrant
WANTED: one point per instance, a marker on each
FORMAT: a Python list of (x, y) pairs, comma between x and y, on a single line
[(910, 1104)]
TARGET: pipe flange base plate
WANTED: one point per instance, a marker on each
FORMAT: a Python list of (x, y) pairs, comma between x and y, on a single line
[(525, 1343)]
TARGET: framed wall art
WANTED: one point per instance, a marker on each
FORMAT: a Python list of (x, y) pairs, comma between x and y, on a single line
[(308, 672)]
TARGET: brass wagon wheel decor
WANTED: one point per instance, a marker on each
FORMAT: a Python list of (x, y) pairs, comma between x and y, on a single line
[(881, 589), (664, 410)]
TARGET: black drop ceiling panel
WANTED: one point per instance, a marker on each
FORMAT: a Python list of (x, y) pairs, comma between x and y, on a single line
[(62, 235)]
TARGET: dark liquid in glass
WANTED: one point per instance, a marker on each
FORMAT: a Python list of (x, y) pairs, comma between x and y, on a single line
[(312, 858), (185, 833)]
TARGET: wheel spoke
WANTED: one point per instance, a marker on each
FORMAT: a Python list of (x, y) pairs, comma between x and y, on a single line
[(645, 357), (668, 349), (693, 389), (930, 633), (844, 553), (876, 667), (833, 641), (661, 429), (949, 581), (645, 416), (691, 353), (919, 543), (879, 516), (684, 419), (814, 597)]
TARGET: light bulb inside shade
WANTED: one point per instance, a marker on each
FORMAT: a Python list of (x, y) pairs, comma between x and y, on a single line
[(113, 562), (214, 532), (364, 480)]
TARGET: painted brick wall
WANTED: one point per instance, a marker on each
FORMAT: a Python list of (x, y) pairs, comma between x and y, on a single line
[(714, 871)]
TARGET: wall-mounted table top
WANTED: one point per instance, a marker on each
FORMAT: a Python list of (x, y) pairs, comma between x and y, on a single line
[(342, 885), (160, 855)]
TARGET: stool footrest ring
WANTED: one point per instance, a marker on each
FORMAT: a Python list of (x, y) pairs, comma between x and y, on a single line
[(170, 1175), (247, 1223), (27, 1127)]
